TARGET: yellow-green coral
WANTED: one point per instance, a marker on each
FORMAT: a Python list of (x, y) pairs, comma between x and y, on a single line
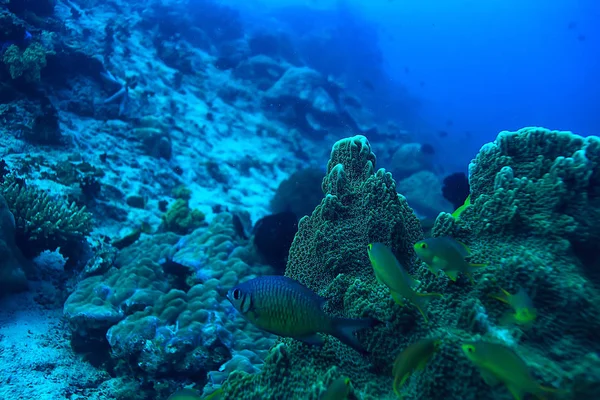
[(181, 219), (329, 255), (360, 206), (28, 63)]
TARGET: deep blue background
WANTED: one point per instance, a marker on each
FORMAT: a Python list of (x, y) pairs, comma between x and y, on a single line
[(469, 68)]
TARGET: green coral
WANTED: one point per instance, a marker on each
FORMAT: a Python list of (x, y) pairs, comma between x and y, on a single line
[(43, 222), (181, 219), (329, 256), (536, 195), (539, 182), (27, 64)]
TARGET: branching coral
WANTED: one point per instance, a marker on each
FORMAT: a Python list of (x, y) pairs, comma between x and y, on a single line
[(42, 222)]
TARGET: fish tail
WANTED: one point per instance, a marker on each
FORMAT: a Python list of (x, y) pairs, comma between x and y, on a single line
[(478, 265), (503, 296), (344, 329), (546, 389), (214, 395), (507, 319), (397, 385), (421, 301)]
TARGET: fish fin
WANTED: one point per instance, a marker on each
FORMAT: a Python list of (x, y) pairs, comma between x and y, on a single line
[(464, 247), (470, 276), (323, 301), (379, 280), (478, 265), (452, 275), (214, 395), (503, 297), (421, 301), (421, 365), (508, 318), (438, 263), (462, 208), (413, 282), (489, 378), (433, 270), (314, 340), (397, 298), (344, 329), (397, 385), (515, 391), (546, 389)]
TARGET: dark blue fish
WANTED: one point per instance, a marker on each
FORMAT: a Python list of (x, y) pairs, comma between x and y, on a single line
[(285, 307)]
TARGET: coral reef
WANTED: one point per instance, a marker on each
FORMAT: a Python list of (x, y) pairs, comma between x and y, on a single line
[(161, 310), (329, 256), (44, 223), (139, 144), (12, 274), (360, 204)]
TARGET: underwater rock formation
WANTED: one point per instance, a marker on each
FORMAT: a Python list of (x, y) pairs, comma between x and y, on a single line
[(530, 191), (12, 274), (161, 309)]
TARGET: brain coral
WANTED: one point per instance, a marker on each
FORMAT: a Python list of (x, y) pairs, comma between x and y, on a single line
[(360, 206)]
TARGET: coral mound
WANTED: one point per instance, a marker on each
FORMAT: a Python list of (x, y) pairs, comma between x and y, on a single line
[(329, 256), (532, 192)]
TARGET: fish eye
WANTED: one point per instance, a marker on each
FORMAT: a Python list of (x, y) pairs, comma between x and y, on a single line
[(237, 293), (347, 381), (470, 349), (423, 245)]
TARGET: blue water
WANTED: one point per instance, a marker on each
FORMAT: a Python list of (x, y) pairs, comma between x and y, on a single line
[(154, 155), (469, 68)]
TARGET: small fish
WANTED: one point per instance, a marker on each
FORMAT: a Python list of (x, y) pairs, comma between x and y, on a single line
[(524, 312), (462, 208), (185, 394), (368, 84), (500, 364), (390, 273), (285, 307), (338, 389), (413, 358), (428, 149), (446, 254)]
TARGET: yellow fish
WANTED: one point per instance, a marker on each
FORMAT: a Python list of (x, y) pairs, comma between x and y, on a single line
[(524, 312), (338, 389), (446, 254), (389, 272), (500, 364), (462, 208), (413, 358)]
